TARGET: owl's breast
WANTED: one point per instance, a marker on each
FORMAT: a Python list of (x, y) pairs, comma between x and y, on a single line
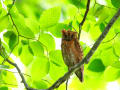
[(68, 53)]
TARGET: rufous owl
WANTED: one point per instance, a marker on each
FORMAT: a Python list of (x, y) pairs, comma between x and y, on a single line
[(71, 51)]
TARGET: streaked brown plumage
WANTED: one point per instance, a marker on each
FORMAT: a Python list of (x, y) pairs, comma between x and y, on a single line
[(71, 51)]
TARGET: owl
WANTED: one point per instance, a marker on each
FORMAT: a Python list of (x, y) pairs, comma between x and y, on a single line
[(71, 51)]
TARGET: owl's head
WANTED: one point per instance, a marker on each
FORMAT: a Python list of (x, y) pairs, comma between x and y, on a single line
[(68, 35)]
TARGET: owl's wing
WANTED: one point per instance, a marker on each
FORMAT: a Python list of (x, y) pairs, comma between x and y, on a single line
[(79, 73), (78, 48)]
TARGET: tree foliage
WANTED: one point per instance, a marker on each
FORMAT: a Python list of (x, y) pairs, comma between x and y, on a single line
[(28, 30)]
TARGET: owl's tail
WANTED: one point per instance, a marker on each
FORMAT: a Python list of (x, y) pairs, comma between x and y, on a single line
[(79, 74)]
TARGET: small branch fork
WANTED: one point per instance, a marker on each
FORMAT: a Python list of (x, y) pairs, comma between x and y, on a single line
[(84, 18)]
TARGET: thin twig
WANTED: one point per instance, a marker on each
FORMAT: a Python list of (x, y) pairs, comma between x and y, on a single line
[(112, 38), (88, 56), (8, 84), (84, 18), (16, 30)]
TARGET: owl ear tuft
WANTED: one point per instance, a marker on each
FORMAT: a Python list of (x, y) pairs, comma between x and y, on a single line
[(63, 31)]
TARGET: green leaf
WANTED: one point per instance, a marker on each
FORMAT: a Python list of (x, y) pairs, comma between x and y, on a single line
[(19, 50), (108, 57), (22, 28), (4, 67), (12, 39), (56, 58), (10, 79), (78, 3), (111, 74), (116, 64), (48, 41), (71, 11), (102, 27), (24, 42), (50, 17), (96, 66), (30, 50), (116, 46), (33, 25), (56, 29), (4, 88), (37, 48), (8, 34), (116, 3), (102, 13), (39, 68), (3, 22), (26, 57), (40, 84), (56, 71)]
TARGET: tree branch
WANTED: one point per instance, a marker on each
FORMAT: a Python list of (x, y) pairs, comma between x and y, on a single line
[(77, 66), (84, 18), (20, 73), (88, 56)]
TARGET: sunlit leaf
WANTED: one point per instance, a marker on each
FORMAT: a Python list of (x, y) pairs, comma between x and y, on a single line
[(40, 84), (48, 41), (33, 25), (4, 22), (39, 68), (37, 48), (108, 57), (56, 29), (116, 46), (116, 64), (21, 27), (56, 71), (50, 17), (26, 57), (56, 58), (111, 74), (10, 78)]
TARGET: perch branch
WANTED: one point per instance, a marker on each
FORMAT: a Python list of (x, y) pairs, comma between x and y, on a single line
[(84, 18), (87, 57)]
